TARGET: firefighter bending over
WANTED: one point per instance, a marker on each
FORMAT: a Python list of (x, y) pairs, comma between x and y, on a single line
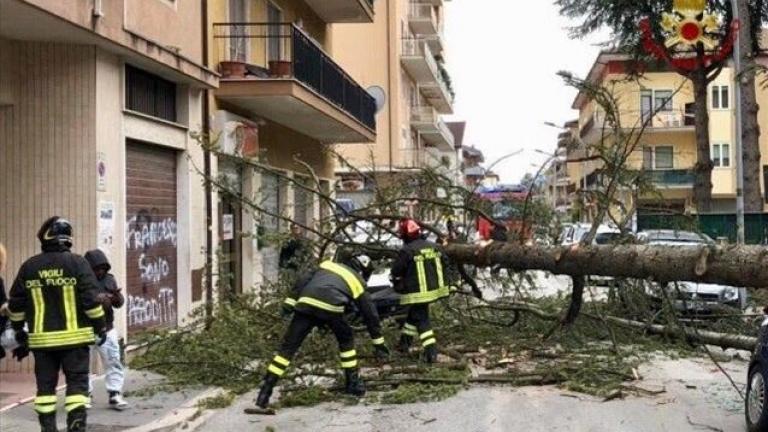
[(55, 293), (419, 274), (319, 299)]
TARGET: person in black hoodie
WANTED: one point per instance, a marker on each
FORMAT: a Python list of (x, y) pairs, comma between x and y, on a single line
[(110, 297)]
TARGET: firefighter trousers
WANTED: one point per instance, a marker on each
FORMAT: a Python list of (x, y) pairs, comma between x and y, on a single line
[(417, 325), (74, 363), (301, 325)]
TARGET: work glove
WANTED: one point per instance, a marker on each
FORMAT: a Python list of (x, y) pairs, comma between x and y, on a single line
[(101, 337), (381, 351), (22, 351)]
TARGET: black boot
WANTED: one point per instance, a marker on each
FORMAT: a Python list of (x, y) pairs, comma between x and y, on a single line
[(430, 354), (262, 401), (76, 420), (354, 385), (47, 422), (405, 343)]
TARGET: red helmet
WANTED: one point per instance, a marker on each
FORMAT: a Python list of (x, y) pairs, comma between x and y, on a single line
[(409, 230)]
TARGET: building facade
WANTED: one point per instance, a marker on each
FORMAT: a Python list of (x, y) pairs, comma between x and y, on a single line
[(97, 102), (401, 59), (661, 100), (284, 103)]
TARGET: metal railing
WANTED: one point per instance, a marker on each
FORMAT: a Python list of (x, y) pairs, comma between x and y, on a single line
[(284, 51), (670, 119), (674, 177)]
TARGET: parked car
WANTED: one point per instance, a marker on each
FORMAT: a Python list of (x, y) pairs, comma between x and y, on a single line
[(691, 297), (755, 409)]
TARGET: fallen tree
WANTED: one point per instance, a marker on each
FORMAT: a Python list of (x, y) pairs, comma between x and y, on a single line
[(740, 266), (691, 334)]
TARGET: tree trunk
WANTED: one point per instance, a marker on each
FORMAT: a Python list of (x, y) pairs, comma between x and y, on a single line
[(753, 201), (739, 266), (702, 188)]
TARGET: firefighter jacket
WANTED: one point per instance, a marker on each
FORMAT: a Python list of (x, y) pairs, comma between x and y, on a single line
[(332, 289), (56, 294), (419, 273)]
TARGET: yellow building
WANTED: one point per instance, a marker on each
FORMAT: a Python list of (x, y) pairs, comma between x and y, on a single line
[(283, 102), (667, 150), (401, 56)]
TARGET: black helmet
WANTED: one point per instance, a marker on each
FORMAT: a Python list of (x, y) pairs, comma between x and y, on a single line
[(361, 264), (56, 231)]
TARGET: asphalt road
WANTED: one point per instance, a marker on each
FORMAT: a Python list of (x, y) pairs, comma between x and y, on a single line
[(696, 398)]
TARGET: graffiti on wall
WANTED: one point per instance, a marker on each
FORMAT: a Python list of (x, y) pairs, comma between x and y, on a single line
[(151, 256)]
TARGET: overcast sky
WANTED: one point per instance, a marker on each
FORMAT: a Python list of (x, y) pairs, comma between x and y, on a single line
[(503, 57)]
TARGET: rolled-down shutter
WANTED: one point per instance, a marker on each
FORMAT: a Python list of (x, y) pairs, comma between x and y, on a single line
[(151, 237)]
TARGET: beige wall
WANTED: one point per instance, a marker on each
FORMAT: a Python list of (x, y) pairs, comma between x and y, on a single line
[(174, 23), (47, 142)]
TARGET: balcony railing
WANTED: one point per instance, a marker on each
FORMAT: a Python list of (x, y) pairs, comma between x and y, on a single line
[(661, 120), (678, 177), (284, 51)]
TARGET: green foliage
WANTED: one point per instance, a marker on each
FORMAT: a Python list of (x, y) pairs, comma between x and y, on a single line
[(306, 396), (219, 401)]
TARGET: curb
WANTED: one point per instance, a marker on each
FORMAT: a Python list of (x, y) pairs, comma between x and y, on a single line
[(187, 416)]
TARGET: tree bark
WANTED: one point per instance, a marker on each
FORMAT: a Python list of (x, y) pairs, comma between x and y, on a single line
[(739, 266), (750, 136), (702, 188)]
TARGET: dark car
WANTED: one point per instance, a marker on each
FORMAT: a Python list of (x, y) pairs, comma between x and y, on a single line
[(755, 408)]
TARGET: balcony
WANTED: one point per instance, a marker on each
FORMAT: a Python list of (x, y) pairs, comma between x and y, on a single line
[(343, 11), (676, 178), (278, 72), (412, 158), (420, 63), (423, 19), (431, 128), (673, 121)]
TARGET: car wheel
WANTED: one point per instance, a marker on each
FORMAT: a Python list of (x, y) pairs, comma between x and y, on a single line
[(755, 409)]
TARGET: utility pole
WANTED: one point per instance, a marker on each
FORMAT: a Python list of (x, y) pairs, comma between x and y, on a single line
[(737, 115)]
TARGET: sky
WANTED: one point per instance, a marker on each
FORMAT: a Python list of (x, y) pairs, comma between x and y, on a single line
[(503, 59)]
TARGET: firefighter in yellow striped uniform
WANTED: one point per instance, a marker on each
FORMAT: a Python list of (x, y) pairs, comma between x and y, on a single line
[(319, 299), (419, 274), (55, 295)]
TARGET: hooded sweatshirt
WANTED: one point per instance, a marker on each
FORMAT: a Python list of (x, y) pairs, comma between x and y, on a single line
[(107, 286)]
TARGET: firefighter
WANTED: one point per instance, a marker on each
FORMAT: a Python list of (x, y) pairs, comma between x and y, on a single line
[(419, 275), (319, 299), (55, 294)]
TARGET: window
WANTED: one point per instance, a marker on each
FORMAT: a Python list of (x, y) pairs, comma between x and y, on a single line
[(721, 97), (721, 155), (237, 44), (149, 94), (274, 33), (646, 105), (658, 158), (663, 100)]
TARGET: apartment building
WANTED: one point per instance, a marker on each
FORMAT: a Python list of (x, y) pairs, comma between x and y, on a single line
[(97, 100), (285, 100), (401, 59), (666, 154)]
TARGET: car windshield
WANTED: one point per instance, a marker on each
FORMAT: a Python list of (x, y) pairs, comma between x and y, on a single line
[(608, 238), (678, 237)]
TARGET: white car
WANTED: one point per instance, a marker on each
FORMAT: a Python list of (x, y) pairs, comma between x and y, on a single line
[(691, 296)]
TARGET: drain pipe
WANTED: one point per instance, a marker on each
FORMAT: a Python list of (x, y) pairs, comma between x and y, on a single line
[(207, 172)]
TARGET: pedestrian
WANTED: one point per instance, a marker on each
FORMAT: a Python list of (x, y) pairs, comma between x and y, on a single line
[(295, 252), (318, 300), (3, 299), (55, 295), (110, 298), (419, 275)]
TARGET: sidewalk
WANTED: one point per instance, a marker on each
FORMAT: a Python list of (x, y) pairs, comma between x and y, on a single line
[(152, 411)]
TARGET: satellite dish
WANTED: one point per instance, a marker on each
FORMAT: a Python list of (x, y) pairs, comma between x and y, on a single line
[(379, 95)]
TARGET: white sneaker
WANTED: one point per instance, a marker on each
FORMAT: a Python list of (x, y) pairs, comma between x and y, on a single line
[(117, 402), (88, 404)]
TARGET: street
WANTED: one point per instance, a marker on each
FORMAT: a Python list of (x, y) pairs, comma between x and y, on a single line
[(693, 396)]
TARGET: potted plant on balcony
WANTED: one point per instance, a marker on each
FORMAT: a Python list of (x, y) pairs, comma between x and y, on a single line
[(280, 68), (232, 69)]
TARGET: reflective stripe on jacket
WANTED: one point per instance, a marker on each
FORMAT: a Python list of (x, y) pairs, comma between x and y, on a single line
[(420, 273), (55, 293), (330, 289)]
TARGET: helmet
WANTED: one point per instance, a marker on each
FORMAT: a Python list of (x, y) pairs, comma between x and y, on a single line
[(361, 264), (409, 230), (56, 231)]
